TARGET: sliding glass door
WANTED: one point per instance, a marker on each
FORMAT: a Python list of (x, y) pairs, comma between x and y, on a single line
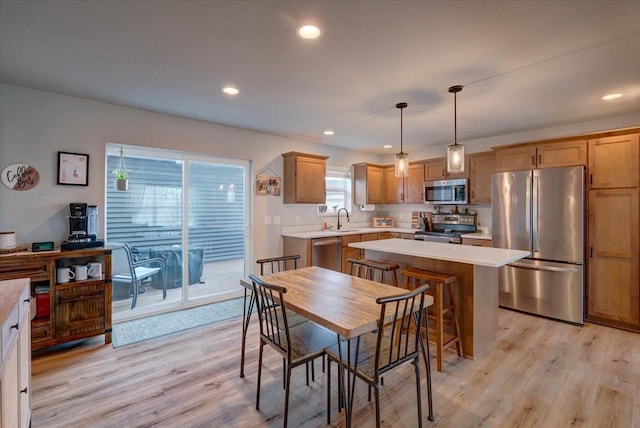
[(181, 213)]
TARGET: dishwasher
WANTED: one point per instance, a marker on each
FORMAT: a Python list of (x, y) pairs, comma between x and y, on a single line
[(327, 253)]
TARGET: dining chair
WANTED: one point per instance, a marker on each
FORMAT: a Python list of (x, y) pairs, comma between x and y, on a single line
[(391, 345), (297, 344), (125, 269), (373, 270), (268, 265)]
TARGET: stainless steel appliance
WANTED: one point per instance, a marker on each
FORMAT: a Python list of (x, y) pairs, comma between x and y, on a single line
[(447, 192), (542, 211), (446, 228), (327, 253)]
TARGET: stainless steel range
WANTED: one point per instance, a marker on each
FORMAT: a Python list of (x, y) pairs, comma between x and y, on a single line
[(445, 228)]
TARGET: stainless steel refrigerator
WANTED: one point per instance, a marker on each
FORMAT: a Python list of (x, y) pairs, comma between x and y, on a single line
[(542, 211)]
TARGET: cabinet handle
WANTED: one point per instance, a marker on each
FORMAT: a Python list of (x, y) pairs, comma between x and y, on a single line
[(533, 160), (472, 194), (591, 179), (27, 300), (443, 172), (539, 159), (591, 252), (14, 326), (24, 390)]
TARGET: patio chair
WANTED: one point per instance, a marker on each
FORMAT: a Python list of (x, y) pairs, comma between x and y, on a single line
[(131, 272)]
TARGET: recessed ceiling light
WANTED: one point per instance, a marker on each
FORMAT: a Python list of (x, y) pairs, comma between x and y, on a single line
[(230, 90), (610, 97), (329, 132), (387, 146), (309, 32)]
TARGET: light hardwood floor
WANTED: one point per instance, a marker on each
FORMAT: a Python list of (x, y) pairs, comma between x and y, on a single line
[(541, 373)]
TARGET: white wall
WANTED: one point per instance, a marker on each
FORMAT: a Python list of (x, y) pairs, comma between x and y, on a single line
[(35, 125)]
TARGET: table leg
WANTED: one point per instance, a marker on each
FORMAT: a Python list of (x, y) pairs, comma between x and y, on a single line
[(349, 385), (246, 317)]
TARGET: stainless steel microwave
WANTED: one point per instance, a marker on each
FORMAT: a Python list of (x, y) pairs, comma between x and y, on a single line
[(447, 192)]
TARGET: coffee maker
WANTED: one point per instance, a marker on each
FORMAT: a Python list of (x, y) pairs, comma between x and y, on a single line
[(83, 227)]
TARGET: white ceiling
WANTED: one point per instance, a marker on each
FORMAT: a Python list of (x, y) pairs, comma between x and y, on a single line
[(525, 64)]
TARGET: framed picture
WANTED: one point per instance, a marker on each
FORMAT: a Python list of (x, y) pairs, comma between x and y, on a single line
[(267, 185), (73, 169)]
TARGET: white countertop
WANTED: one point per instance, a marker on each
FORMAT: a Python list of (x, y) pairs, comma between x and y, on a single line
[(477, 235), (354, 231), (482, 256)]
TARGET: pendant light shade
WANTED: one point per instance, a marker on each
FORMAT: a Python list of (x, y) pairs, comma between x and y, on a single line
[(455, 152), (402, 158)]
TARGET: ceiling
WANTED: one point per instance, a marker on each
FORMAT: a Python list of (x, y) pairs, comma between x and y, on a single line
[(525, 64)]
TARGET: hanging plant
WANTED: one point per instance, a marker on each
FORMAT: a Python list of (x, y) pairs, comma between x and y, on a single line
[(121, 173)]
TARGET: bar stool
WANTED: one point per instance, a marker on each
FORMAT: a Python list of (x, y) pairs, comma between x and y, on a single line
[(369, 269), (439, 280)]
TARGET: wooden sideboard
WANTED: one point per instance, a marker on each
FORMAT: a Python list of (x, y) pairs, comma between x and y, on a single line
[(65, 311)]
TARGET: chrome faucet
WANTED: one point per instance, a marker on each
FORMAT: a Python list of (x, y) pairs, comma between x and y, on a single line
[(346, 212)]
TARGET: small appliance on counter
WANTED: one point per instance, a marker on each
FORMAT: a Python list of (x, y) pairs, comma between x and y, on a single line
[(83, 227), (382, 219)]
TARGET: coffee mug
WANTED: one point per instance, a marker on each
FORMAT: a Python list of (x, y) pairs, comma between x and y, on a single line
[(64, 274), (81, 272), (94, 270)]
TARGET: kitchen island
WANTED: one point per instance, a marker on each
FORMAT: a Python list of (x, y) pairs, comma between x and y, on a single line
[(477, 272)]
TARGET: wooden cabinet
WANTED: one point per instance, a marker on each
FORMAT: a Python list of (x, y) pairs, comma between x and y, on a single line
[(15, 354), (304, 178), (476, 242), (404, 190), (350, 252), (436, 169), (414, 184), (614, 257), (614, 162), (481, 166), (368, 184), (543, 155), (394, 189), (76, 309)]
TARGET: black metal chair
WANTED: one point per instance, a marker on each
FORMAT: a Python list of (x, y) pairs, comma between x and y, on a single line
[(269, 265), (297, 344), (129, 271), (373, 270), (392, 345)]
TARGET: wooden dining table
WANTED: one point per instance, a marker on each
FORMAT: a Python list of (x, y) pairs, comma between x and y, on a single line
[(341, 303)]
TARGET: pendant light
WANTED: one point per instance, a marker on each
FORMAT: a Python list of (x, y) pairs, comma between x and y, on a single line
[(402, 158), (455, 152)]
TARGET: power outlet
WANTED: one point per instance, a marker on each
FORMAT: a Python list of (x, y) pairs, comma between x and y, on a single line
[(267, 219)]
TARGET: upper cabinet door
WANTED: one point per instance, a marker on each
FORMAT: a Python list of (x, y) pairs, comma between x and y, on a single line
[(481, 166), (393, 186), (516, 158), (614, 162), (569, 153), (435, 169), (414, 189), (368, 184)]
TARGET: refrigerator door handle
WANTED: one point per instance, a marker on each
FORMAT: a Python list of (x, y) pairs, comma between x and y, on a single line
[(534, 214), (547, 268), (527, 210)]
